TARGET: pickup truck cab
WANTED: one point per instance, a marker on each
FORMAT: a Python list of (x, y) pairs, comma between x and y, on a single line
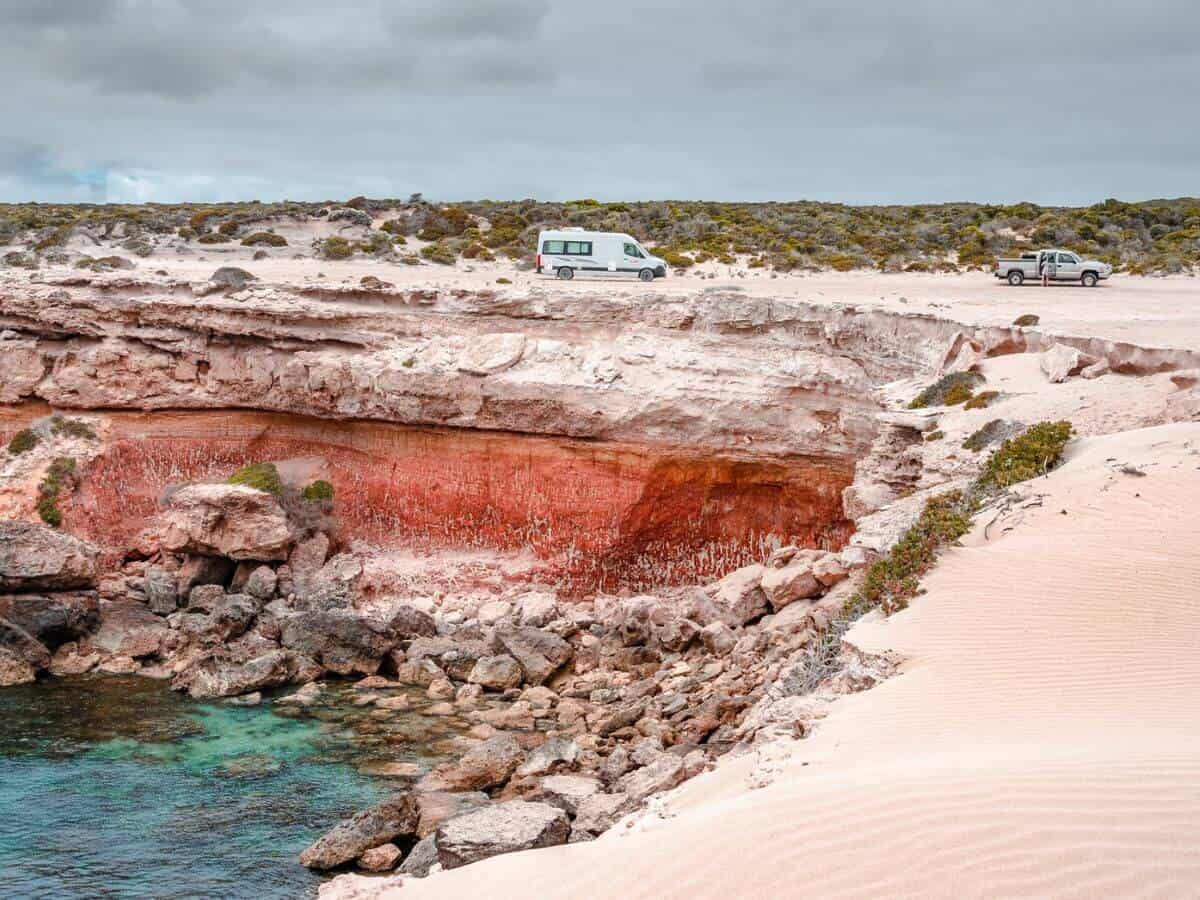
[(1056, 265)]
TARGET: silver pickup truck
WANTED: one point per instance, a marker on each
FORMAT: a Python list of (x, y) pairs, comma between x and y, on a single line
[(1055, 265)]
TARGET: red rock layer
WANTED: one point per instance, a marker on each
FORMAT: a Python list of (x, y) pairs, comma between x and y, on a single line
[(605, 516)]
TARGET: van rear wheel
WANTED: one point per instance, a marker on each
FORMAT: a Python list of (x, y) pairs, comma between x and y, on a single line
[(1015, 278), (646, 275), (1089, 279), (565, 273)]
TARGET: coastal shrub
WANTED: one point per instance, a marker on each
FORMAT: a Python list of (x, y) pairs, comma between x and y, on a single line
[(981, 400), (56, 238), (440, 252), (1026, 321), (260, 476), (503, 280), (1029, 455), (23, 441), (988, 434), (214, 237), (264, 238), (229, 229), (335, 248), (892, 580), (934, 436), (76, 428), (59, 478), (674, 258), (318, 490), (949, 390)]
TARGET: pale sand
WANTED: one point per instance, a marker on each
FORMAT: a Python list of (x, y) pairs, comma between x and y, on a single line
[(1043, 738)]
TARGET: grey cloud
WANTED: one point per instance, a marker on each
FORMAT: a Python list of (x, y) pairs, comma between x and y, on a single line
[(858, 100)]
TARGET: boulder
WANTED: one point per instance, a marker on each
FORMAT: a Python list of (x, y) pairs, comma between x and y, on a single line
[(677, 634), (231, 277), (436, 807), (261, 583), (52, 619), (500, 828), (540, 653), (661, 775), (497, 673), (421, 858), (35, 557), (407, 622), (331, 586), (486, 765), (596, 813), (538, 609), (383, 858), (129, 628), (340, 641), (1060, 362), (383, 823), (554, 755), (739, 597), (230, 520), (567, 792), (792, 582), (162, 590), (225, 678), (457, 658), (205, 597), (19, 647), (15, 669), (231, 617)]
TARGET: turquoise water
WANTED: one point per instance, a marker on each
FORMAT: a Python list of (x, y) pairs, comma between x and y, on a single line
[(119, 788)]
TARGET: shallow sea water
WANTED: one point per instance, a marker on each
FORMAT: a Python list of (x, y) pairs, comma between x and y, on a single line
[(118, 788)]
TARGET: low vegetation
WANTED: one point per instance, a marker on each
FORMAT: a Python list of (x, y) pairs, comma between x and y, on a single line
[(318, 490), (949, 390), (59, 480), (23, 441), (893, 580), (264, 239), (990, 433), (1157, 236), (1026, 321), (981, 400), (76, 428), (260, 476)]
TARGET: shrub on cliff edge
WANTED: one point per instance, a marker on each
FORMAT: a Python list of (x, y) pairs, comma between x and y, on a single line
[(260, 476)]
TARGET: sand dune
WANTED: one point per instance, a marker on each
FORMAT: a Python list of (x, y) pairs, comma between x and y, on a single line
[(1043, 738)]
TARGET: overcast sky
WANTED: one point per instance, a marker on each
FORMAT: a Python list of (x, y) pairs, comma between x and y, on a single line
[(860, 101)]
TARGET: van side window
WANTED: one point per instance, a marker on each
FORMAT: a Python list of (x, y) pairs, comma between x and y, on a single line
[(578, 248), (632, 250), (1067, 258), (555, 247)]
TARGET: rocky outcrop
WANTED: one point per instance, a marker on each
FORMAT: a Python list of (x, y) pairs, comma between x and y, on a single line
[(340, 641), (228, 520), (39, 558)]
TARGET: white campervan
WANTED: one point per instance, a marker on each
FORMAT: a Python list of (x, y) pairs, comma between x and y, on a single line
[(574, 250)]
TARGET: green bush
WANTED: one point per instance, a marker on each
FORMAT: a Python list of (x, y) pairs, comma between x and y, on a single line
[(1031, 454), (214, 237), (59, 477), (440, 252), (76, 428), (264, 238), (260, 476), (949, 390), (318, 490), (335, 248), (23, 441), (1026, 321), (981, 400)]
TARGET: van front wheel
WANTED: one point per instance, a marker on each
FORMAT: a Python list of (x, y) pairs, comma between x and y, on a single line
[(646, 275), (566, 273)]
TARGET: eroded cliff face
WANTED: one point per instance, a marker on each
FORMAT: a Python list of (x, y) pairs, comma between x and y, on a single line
[(632, 442)]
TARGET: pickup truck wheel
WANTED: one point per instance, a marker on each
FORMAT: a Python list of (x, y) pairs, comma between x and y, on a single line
[(646, 275), (1015, 278), (1089, 279), (566, 273)]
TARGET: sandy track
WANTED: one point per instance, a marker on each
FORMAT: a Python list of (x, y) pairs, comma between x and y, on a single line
[(1041, 741)]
